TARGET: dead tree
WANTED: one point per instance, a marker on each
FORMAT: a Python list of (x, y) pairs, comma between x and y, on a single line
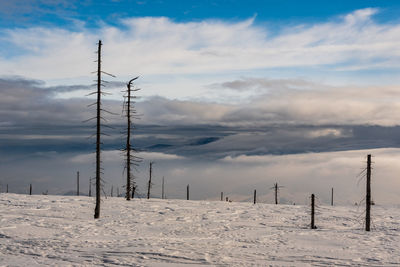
[(276, 188), (99, 118), (149, 184), (90, 187), (313, 212), (98, 134), (77, 183), (368, 196), (131, 160), (162, 189)]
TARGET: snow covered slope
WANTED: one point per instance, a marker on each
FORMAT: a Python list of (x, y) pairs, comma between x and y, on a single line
[(61, 231)]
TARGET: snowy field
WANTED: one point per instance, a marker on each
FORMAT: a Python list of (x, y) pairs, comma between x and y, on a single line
[(60, 231)]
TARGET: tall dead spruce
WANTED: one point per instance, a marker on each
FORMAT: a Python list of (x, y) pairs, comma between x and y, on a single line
[(99, 118), (131, 160)]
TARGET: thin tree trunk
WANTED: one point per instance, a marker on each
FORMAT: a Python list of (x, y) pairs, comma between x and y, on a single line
[(149, 184), (98, 133), (77, 183), (312, 211), (368, 197)]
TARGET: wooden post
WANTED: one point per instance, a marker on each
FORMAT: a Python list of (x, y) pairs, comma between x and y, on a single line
[(332, 197), (222, 196), (77, 183), (112, 189), (255, 196), (117, 191), (312, 211), (133, 191), (276, 193), (7, 189), (227, 199), (30, 189), (149, 185), (187, 192), (368, 197), (98, 134)]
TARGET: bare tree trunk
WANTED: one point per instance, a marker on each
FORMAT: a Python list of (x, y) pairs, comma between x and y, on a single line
[(90, 187), (149, 184), (368, 197), (98, 134), (130, 159), (313, 212), (162, 189), (77, 183)]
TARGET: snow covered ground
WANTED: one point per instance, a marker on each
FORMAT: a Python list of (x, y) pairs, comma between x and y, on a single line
[(60, 231)]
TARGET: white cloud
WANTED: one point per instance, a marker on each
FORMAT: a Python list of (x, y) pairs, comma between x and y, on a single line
[(154, 45)]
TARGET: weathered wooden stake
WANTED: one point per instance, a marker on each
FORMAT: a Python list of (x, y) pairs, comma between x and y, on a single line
[(227, 199), (77, 183), (276, 193), (117, 191), (312, 211), (222, 196), (30, 189), (7, 188), (112, 189), (368, 197), (255, 196), (332, 197), (187, 192)]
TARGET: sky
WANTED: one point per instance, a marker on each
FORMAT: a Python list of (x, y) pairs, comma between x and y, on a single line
[(235, 96)]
